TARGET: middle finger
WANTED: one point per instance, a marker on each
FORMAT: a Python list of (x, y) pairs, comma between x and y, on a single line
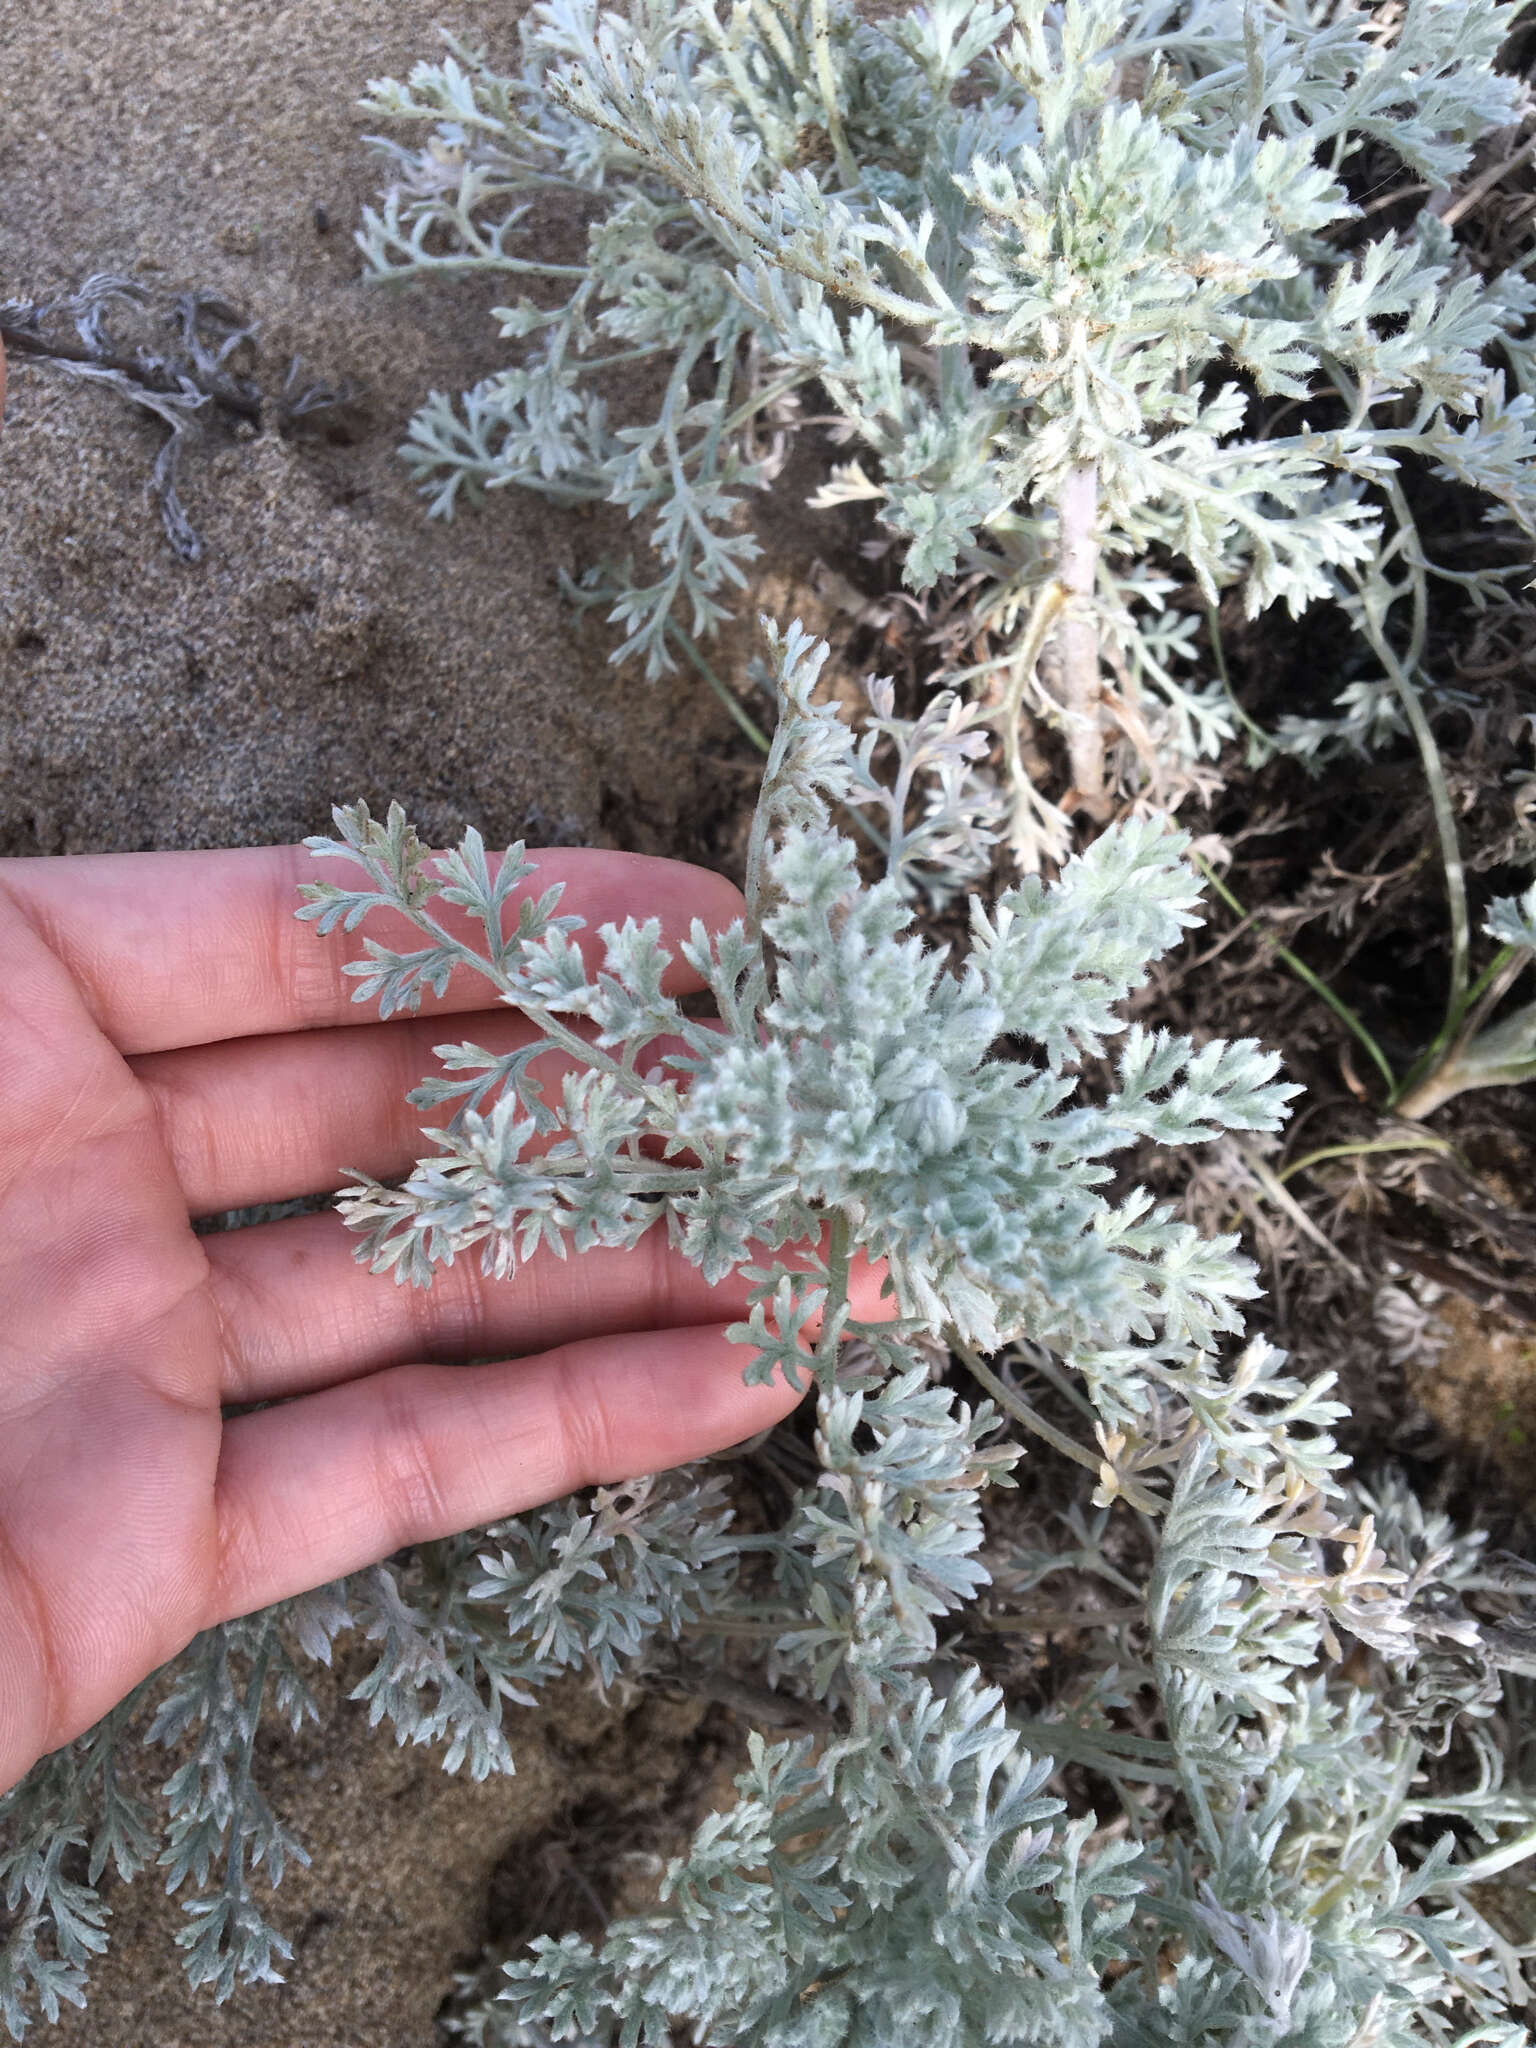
[(263, 1119), (298, 1312)]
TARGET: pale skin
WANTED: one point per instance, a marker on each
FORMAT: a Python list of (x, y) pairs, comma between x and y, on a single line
[(175, 1043)]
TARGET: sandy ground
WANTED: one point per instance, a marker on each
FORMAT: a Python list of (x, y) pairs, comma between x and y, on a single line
[(409, 1872), (331, 643)]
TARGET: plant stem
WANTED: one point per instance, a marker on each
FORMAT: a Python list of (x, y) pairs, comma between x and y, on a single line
[(560, 1034), (751, 407), (1440, 1073), (1021, 1411), (1046, 1620), (1304, 973), (826, 86), (1272, 1185), (1502, 1056), (1406, 1754), (1492, 1864), (1077, 567), (1311, 1159), (1445, 816), (1260, 746), (1043, 615), (749, 726), (834, 1310)]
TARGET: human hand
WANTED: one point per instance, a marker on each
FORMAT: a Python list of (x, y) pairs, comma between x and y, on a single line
[(174, 1043)]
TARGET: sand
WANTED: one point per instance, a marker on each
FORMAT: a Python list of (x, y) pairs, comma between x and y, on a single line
[(410, 1872), (331, 643)]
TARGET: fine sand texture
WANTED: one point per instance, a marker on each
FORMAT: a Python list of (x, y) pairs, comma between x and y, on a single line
[(412, 1872), (330, 643)]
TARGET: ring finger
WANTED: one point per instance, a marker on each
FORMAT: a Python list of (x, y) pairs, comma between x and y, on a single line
[(294, 1113), (298, 1312)]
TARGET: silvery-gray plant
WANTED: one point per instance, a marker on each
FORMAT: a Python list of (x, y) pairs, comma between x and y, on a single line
[(1090, 291), (1222, 1820)]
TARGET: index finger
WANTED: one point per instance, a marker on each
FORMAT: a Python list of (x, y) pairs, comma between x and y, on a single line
[(181, 949)]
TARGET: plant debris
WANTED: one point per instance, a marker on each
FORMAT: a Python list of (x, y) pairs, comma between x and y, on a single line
[(191, 352)]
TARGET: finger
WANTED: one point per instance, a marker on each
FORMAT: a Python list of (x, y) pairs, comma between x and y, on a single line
[(298, 1112), (298, 1312), (180, 949), (320, 1487)]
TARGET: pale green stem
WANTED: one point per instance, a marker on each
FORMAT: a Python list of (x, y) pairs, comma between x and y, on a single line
[(1100, 1749), (1271, 1184), (1260, 744), (738, 1625), (422, 260), (1477, 1806), (1010, 710), (1055, 1377), (558, 1033), (774, 32), (1493, 1864), (1441, 1073), (1193, 1788), (1014, 1405), (647, 1178), (1440, 800), (1348, 1880), (1078, 634), (1493, 983), (758, 839), (1040, 1620), (839, 1266), (728, 41), (1324, 1152), (623, 355), (1502, 1056), (749, 726), (241, 1776), (750, 407), (783, 255), (826, 85), (1304, 973)]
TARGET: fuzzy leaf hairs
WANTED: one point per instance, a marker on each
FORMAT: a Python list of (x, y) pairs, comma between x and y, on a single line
[(1173, 1733), (1099, 299), (857, 1091)]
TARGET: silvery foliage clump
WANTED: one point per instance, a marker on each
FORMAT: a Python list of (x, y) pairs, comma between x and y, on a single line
[(1269, 1757), (1079, 283), (461, 1627)]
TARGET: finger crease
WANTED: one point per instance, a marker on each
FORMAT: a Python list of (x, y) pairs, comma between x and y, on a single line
[(13, 1566)]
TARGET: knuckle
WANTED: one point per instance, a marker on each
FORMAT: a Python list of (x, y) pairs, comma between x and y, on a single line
[(189, 1125), (588, 1427), (407, 1475)]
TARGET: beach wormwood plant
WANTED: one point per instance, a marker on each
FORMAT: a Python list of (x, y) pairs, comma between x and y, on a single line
[(1196, 1820), (1097, 296)]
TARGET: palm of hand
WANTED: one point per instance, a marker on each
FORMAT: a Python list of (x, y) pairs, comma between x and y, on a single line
[(174, 1045)]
